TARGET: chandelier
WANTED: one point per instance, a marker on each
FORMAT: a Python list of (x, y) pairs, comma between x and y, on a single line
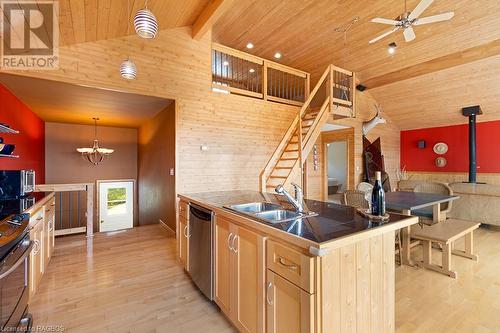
[(94, 155)]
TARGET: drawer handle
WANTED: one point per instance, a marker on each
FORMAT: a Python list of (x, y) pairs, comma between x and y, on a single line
[(229, 241), (282, 262), (39, 218), (36, 247), (187, 234), (269, 286), (235, 250)]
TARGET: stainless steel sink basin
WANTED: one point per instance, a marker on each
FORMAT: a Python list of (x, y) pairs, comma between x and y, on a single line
[(255, 207), (277, 216), (269, 212)]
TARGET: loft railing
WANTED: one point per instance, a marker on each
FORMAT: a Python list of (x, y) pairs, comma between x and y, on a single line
[(241, 73)]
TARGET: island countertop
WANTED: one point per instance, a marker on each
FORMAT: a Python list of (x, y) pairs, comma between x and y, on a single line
[(334, 225)]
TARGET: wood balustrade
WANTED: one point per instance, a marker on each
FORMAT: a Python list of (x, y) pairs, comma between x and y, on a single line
[(244, 74), (333, 96)]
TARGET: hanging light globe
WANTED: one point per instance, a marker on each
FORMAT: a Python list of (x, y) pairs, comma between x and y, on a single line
[(128, 70), (145, 23)]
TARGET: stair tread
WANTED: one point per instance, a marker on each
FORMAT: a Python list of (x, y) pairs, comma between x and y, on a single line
[(288, 159), (279, 168), (291, 150), (281, 177)]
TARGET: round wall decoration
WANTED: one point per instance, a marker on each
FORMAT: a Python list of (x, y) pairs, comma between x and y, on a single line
[(440, 148), (440, 162)]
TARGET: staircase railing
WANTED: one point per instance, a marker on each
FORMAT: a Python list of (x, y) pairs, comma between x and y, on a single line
[(338, 100)]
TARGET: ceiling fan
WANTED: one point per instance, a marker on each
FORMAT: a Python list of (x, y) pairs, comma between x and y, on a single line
[(407, 20)]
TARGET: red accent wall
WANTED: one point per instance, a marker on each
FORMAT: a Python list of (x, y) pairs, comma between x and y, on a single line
[(30, 142), (457, 139)]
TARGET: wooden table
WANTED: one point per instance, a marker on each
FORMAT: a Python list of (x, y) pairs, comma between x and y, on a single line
[(406, 202)]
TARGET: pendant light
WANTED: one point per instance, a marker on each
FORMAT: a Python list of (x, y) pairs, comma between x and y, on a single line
[(145, 23), (127, 69), (95, 155)]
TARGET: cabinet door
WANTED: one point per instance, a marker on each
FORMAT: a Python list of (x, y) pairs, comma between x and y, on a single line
[(248, 275), (183, 239), (36, 258), (289, 308), (223, 254)]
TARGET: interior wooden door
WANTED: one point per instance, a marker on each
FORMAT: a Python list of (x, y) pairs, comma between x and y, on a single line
[(223, 253), (248, 275), (289, 308)]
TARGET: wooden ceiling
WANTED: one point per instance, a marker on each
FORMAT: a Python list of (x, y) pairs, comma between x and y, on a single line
[(304, 32), (91, 20), (68, 103)]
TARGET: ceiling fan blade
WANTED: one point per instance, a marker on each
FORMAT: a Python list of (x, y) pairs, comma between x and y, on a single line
[(385, 21), (385, 34), (420, 9), (434, 18), (409, 34)]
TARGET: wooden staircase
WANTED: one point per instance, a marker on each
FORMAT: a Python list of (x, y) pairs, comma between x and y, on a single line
[(332, 95)]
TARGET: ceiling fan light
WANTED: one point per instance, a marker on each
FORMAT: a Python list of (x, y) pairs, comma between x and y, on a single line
[(128, 70), (145, 23)]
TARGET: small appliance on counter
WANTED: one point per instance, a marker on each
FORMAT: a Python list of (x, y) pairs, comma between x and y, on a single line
[(16, 184)]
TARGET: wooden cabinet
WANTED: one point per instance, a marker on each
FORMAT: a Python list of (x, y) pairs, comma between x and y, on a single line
[(49, 232), (36, 256), (184, 243), (42, 235), (289, 308), (239, 275)]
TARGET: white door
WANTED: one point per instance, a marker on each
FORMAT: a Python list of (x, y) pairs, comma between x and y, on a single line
[(116, 205)]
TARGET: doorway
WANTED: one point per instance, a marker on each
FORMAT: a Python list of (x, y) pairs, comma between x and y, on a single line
[(338, 166), (116, 205)]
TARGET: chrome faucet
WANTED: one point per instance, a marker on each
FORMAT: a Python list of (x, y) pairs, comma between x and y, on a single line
[(298, 201)]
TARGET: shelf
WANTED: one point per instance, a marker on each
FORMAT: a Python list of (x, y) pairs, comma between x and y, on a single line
[(9, 156), (5, 129)]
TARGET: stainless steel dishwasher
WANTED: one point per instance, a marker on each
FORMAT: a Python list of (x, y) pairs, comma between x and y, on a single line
[(201, 249)]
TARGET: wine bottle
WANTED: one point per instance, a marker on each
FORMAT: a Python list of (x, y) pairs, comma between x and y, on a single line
[(378, 196)]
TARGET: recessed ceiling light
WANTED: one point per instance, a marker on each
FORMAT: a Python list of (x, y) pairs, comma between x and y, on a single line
[(225, 63), (391, 48), (249, 45), (277, 55), (251, 70)]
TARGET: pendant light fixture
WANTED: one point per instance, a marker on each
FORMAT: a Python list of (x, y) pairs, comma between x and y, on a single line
[(145, 23), (127, 69), (95, 155)]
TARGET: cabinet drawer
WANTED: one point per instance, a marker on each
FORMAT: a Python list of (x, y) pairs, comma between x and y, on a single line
[(184, 209), (36, 217), (291, 264)]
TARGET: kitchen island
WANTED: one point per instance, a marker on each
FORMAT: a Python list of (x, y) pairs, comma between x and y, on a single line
[(333, 272)]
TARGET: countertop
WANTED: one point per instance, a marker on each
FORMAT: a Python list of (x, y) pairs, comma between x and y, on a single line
[(334, 221)]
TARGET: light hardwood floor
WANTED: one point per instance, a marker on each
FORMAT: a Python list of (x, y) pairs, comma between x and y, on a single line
[(131, 282)]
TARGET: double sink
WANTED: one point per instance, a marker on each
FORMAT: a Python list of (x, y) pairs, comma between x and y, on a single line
[(269, 212)]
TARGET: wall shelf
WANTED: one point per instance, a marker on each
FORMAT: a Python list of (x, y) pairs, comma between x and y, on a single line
[(5, 129), (9, 156)]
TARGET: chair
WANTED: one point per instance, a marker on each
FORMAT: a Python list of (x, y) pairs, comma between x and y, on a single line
[(425, 215), (355, 199)]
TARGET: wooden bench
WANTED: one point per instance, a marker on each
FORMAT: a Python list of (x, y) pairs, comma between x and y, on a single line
[(444, 234)]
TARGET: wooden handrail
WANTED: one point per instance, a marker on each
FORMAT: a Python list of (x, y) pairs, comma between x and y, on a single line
[(305, 144)]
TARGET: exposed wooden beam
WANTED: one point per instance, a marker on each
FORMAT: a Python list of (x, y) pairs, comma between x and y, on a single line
[(210, 14), (451, 60)]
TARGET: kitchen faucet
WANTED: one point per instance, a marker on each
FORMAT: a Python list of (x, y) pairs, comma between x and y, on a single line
[(298, 201)]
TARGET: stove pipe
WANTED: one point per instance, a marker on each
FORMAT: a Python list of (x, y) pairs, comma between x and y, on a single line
[(471, 112)]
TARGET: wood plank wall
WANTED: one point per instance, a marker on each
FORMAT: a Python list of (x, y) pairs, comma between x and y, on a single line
[(388, 133), (241, 133)]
